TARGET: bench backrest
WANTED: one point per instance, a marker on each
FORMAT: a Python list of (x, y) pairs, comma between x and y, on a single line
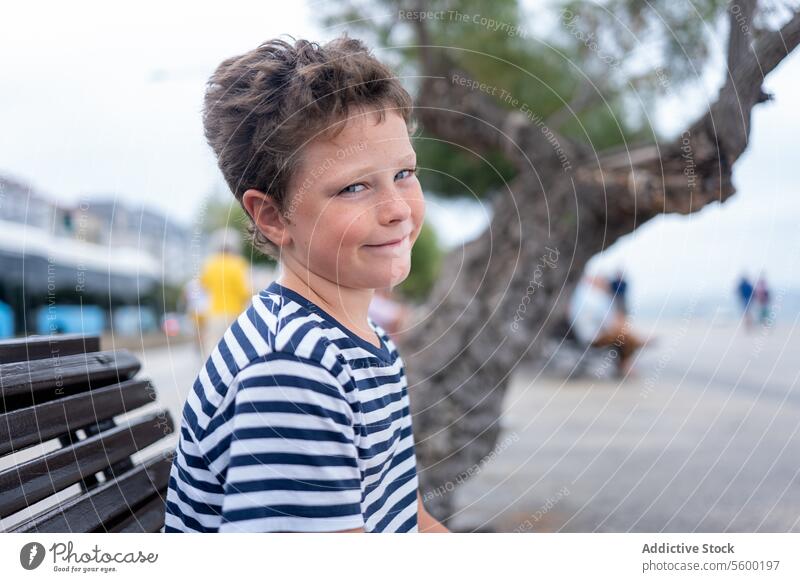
[(63, 393)]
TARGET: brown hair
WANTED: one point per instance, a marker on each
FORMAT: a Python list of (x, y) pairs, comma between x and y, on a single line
[(262, 106)]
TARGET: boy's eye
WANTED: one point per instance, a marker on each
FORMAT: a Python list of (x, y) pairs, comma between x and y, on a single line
[(349, 189), (409, 170)]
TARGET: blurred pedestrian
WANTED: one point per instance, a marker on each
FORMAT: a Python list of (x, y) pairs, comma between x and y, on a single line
[(745, 291), (619, 289), (226, 280), (195, 300), (761, 299), (596, 321)]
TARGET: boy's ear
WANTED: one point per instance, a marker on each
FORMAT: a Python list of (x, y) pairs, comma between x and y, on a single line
[(267, 217)]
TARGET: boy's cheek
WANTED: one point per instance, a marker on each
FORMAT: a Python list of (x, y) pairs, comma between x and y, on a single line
[(336, 241), (419, 216)]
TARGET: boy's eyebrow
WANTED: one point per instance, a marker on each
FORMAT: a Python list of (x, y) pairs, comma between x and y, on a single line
[(406, 160), (409, 159)]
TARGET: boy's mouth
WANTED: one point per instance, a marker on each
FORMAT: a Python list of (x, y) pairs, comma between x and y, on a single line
[(392, 244)]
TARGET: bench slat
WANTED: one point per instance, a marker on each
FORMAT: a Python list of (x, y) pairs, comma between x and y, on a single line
[(35, 480), (37, 347), (25, 383), (146, 519), (36, 424), (92, 510)]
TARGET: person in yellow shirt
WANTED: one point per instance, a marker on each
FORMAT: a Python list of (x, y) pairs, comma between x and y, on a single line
[(226, 279)]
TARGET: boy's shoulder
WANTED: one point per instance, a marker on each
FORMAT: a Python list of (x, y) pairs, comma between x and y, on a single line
[(278, 327), (271, 331), (283, 334), (297, 325), (278, 320)]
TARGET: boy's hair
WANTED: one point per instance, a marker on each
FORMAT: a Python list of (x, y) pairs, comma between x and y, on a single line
[(261, 107)]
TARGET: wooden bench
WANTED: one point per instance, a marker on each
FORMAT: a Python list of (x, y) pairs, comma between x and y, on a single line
[(59, 396)]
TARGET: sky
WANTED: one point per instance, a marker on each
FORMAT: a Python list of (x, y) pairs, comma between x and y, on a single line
[(101, 102)]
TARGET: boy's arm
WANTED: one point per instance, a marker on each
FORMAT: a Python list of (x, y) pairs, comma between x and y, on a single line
[(426, 522)]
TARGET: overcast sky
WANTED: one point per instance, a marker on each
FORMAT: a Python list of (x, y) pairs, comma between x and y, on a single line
[(95, 100)]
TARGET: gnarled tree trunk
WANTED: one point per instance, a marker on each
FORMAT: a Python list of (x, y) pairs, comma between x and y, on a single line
[(498, 296)]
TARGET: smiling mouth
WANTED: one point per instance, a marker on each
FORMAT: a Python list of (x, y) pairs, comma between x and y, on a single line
[(389, 245)]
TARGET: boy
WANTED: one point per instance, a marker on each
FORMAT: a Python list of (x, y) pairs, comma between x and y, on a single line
[(299, 420)]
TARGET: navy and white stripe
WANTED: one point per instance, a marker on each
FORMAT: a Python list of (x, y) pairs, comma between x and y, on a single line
[(295, 424)]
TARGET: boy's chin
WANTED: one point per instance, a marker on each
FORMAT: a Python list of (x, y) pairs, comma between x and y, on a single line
[(384, 278)]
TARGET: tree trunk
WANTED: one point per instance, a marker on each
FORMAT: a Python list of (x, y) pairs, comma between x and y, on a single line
[(499, 295)]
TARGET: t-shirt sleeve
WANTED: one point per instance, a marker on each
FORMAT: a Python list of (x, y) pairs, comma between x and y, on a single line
[(293, 462)]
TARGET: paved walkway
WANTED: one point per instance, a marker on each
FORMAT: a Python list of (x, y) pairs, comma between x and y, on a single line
[(704, 438)]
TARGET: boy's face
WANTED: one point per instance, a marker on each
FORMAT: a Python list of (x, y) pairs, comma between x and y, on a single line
[(353, 194)]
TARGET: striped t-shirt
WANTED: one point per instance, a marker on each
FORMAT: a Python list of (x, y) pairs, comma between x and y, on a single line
[(295, 423)]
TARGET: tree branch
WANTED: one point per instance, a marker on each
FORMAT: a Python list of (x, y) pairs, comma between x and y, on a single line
[(696, 168), (455, 107)]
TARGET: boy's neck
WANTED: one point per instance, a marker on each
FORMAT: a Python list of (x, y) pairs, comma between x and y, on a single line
[(345, 304)]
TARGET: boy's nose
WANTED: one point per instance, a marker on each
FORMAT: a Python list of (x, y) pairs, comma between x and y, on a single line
[(393, 208)]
